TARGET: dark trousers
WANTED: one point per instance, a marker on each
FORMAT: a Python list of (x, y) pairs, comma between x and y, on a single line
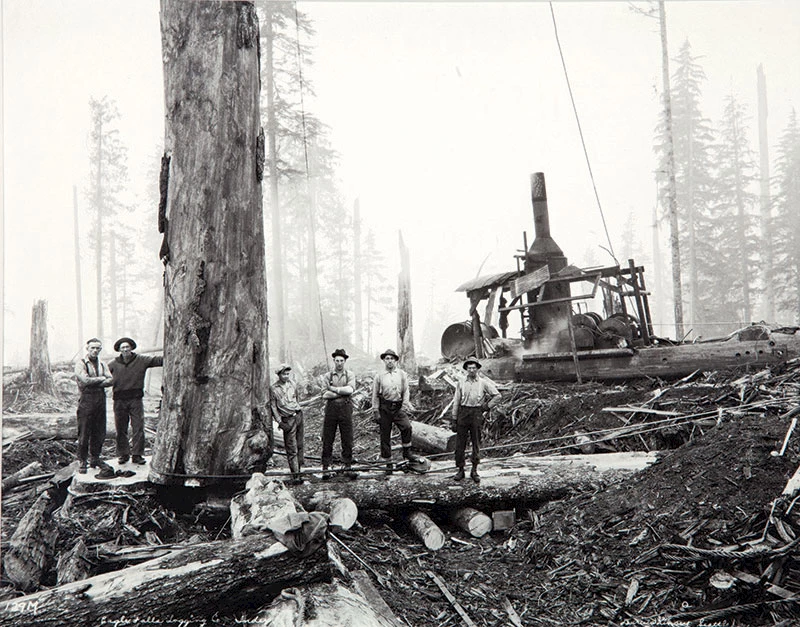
[(391, 413), (468, 425), (338, 414), (129, 411), (293, 432), (91, 424)]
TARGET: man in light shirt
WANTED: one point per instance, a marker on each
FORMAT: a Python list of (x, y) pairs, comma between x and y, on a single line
[(390, 402), (474, 397), (289, 414)]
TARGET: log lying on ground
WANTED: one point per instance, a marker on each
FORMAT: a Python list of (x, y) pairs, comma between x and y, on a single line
[(519, 479), (31, 547), (29, 470), (73, 565), (62, 426), (198, 581), (474, 522), (426, 530), (432, 439), (323, 605)]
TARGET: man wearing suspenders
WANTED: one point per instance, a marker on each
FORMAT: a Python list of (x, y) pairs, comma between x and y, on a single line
[(93, 378)]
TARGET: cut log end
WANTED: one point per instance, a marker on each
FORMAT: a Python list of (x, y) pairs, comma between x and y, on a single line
[(426, 530)]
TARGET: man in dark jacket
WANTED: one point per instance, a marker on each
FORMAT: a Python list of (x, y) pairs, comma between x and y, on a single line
[(128, 371)]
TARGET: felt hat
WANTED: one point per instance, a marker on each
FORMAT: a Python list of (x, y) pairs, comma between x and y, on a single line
[(282, 368), (472, 361), (339, 352), (124, 339), (389, 353)]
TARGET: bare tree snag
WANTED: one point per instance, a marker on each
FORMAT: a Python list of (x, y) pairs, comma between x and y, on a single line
[(426, 530), (214, 408), (405, 327), (475, 523), (31, 547), (202, 580), (39, 363)]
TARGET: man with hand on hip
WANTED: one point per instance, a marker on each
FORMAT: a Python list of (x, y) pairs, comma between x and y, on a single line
[(289, 414), (391, 402)]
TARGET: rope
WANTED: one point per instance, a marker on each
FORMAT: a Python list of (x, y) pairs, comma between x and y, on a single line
[(697, 554), (580, 132), (308, 179)]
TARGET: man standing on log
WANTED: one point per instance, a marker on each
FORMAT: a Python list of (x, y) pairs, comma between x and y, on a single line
[(289, 414), (391, 402), (93, 377), (474, 397), (129, 370), (341, 384)]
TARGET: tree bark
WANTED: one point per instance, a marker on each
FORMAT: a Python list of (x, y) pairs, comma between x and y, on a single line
[(28, 471), (39, 363), (214, 409), (672, 197), (198, 581), (405, 327), (519, 479), (31, 547)]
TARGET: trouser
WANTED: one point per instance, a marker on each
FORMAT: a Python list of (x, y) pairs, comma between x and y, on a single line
[(338, 414), (468, 425), (292, 427), (391, 413), (91, 424), (129, 410)]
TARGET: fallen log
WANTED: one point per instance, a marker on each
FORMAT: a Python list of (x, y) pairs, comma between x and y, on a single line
[(197, 582), (73, 565), (474, 522), (57, 426), (14, 479), (519, 479), (363, 585), (427, 531), (31, 547), (432, 439)]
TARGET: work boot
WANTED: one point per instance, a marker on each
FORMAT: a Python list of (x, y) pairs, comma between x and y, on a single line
[(296, 479), (408, 455), (138, 459), (459, 474), (349, 472), (389, 468), (474, 474), (123, 459), (105, 473), (95, 462), (326, 473), (82, 467)]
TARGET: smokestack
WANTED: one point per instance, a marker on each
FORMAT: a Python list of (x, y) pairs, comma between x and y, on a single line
[(545, 320), (543, 250)]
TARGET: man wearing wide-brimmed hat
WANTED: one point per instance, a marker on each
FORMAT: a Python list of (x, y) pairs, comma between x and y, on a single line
[(474, 396), (287, 411), (128, 371), (340, 384), (390, 402)]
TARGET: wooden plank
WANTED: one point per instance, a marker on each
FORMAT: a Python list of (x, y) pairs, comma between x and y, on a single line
[(529, 282), (363, 585), (456, 605)]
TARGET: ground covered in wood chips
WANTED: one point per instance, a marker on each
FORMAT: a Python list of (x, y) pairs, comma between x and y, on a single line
[(700, 537)]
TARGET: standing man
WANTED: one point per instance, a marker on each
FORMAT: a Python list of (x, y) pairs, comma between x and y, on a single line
[(390, 402), (474, 397), (288, 413), (340, 385), (93, 378), (128, 371)]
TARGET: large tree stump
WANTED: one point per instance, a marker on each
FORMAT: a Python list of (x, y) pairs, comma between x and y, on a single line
[(196, 582), (39, 362), (214, 410)]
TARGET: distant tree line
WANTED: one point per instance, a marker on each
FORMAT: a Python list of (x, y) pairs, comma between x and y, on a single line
[(731, 246)]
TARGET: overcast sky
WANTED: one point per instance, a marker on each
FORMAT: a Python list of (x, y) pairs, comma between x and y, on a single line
[(440, 112)]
